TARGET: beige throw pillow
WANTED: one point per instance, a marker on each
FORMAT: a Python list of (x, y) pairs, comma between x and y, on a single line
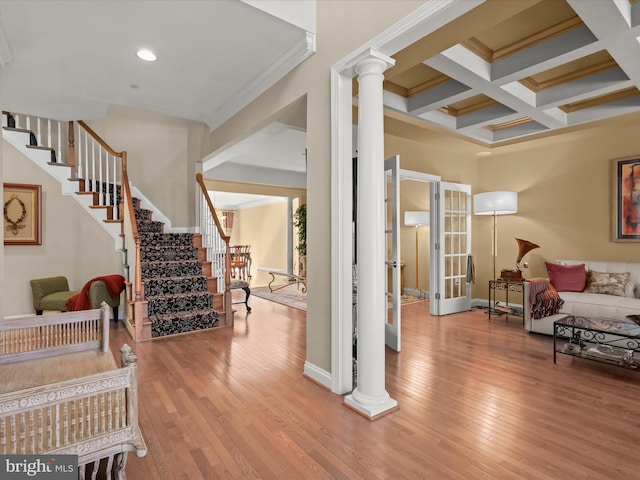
[(607, 283)]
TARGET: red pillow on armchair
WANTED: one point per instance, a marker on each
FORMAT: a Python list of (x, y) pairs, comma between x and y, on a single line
[(567, 278)]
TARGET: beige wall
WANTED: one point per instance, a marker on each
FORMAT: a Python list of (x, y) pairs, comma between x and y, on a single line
[(336, 38), (564, 187), (265, 229), (73, 243), (162, 154)]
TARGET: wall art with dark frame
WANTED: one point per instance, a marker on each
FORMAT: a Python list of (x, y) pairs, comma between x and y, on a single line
[(22, 214), (626, 199)]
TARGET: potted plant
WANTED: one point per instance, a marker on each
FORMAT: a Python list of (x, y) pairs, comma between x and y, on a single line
[(300, 222)]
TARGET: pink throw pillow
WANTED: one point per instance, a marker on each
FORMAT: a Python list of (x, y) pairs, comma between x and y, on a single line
[(567, 278)]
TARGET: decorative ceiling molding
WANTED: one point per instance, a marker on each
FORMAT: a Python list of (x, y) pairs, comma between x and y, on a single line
[(512, 123), (601, 100), (581, 67), (531, 84), (492, 56)]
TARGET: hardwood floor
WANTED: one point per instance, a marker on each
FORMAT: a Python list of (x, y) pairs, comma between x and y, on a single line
[(478, 399)]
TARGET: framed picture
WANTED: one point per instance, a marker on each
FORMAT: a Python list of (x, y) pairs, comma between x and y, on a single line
[(626, 177), (22, 214)]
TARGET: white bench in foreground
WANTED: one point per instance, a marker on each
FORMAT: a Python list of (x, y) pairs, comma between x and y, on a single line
[(288, 277)]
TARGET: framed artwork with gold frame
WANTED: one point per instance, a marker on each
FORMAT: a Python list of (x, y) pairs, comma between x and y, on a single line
[(626, 199), (22, 214)]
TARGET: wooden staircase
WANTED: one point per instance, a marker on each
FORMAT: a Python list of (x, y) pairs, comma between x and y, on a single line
[(103, 189)]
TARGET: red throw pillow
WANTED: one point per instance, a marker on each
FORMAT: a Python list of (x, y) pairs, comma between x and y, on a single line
[(567, 278)]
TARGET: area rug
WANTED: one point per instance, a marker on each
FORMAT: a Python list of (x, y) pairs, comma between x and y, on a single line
[(290, 295)]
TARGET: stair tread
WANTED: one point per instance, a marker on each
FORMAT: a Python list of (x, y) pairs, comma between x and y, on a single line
[(39, 147), (14, 129)]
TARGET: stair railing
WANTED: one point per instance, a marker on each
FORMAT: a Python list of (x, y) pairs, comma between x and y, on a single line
[(46, 133), (104, 172), (98, 165), (216, 243)]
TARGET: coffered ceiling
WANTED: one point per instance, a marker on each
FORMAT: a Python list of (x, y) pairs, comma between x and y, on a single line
[(552, 64)]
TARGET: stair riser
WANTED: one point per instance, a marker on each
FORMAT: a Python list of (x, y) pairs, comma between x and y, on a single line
[(165, 305), (171, 269), (150, 227), (167, 239), (169, 286), (188, 323), (168, 254)]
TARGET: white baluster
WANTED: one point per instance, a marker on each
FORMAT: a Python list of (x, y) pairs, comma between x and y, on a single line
[(59, 150), (48, 133), (106, 179), (86, 156), (114, 200), (100, 169), (93, 164), (28, 122), (78, 150), (38, 132)]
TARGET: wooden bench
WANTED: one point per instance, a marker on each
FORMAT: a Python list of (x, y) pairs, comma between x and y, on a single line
[(288, 277), (61, 391)]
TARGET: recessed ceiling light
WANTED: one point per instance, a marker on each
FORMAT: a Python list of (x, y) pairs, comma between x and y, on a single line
[(146, 55)]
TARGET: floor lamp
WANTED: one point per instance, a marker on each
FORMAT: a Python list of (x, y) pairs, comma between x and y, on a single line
[(495, 203), (416, 219)]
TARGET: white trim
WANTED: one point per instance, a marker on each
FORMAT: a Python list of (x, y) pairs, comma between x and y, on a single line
[(426, 19), (317, 374), (341, 233), (260, 84)]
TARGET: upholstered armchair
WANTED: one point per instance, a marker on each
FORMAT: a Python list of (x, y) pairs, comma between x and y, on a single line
[(52, 293)]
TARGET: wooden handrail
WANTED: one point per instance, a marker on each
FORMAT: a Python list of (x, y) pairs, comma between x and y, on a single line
[(203, 187), (137, 283), (99, 140)]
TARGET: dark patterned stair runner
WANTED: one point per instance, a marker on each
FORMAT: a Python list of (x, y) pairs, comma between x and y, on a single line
[(173, 282)]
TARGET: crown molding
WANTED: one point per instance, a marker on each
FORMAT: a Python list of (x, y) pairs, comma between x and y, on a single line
[(260, 84)]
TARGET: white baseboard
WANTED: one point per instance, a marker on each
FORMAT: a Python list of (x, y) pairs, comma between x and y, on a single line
[(318, 375)]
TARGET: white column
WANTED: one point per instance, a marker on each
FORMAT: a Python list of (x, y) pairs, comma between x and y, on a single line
[(370, 397)]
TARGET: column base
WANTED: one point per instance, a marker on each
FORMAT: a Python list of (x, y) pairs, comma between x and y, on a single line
[(369, 407)]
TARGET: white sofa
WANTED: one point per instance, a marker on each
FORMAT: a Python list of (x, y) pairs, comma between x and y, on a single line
[(594, 305)]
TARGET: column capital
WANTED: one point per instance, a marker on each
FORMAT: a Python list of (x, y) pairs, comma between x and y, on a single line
[(370, 54)]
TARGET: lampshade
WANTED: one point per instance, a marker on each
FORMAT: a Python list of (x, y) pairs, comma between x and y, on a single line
[(498, 203), (416, 218)]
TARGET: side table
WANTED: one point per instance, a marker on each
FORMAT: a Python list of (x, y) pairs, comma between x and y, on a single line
[(509, 286)]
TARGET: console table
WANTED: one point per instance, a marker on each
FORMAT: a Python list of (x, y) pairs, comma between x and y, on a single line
[(513, 286), (289, 277), (615, 342)]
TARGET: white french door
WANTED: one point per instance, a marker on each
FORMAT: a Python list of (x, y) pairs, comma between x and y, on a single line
[(451, 248), (392, 244)]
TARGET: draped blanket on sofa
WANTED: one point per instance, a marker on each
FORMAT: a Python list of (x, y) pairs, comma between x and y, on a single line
[(544, 298), (81, 301)]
